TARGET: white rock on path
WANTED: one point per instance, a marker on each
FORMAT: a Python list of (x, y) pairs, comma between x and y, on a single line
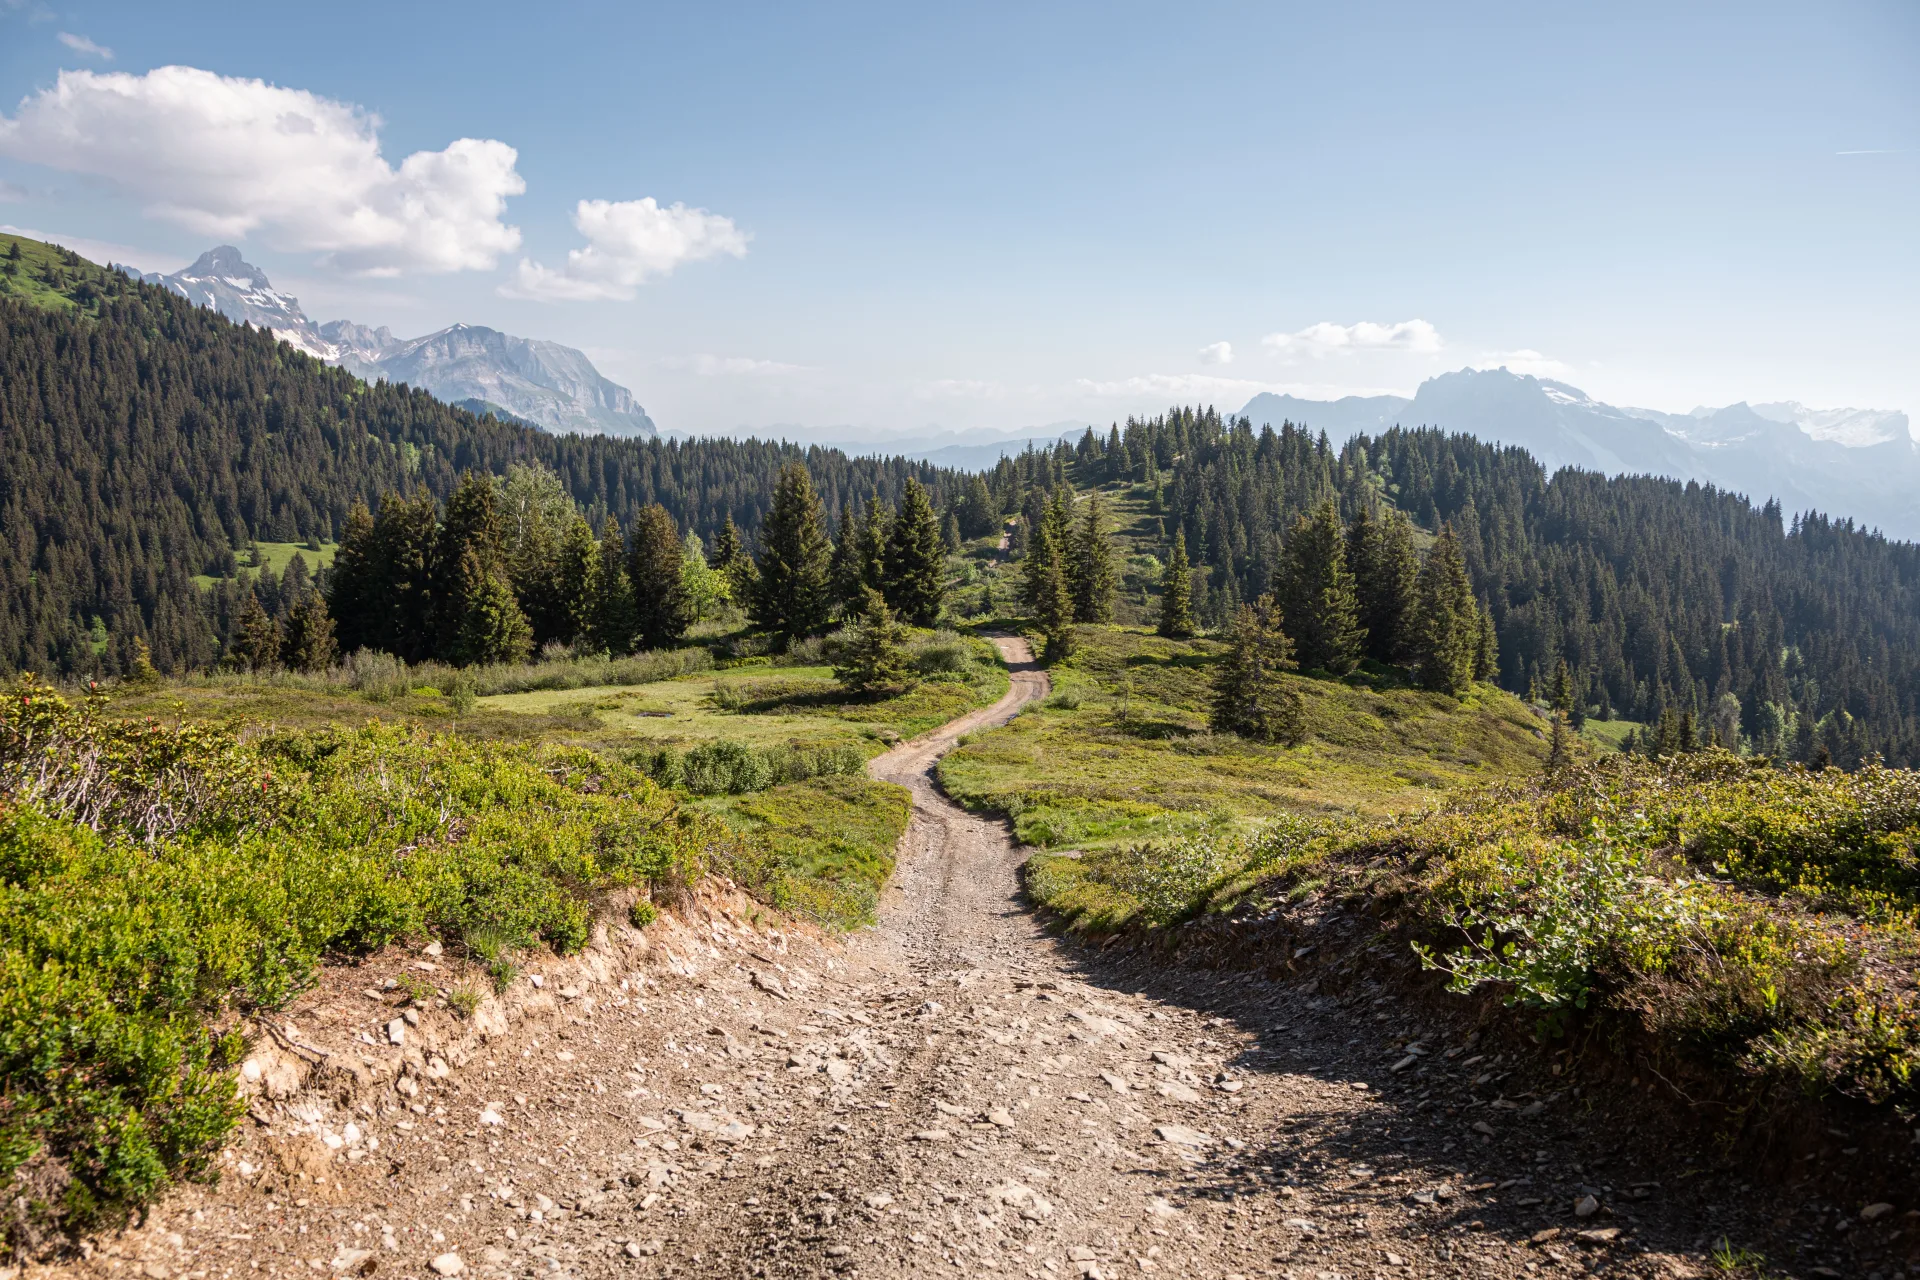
[(448, 1264)]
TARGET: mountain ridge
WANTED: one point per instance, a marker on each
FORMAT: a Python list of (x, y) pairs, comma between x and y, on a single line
[(552, 386), (1861, 463)]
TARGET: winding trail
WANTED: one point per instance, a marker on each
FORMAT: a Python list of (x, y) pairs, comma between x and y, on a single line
[(955, 1092)]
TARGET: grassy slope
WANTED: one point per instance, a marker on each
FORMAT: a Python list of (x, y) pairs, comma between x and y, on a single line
[(26, 283), (1121, 752)]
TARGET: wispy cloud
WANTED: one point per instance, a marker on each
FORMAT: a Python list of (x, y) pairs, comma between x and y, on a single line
[(1874, 151), (1527, 360), (1364, 335), (1217, 353), (711, 366), (80, 44)]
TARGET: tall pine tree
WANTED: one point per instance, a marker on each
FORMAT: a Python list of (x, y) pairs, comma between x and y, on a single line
[(1092, 568), (611, 622), (792, 596), (660, 612), (1447, 629), (1386, 571), (916, 560), (1319, 607), (1176, 592)]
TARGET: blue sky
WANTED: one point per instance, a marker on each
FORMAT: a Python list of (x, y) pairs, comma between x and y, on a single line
[(999, 216)]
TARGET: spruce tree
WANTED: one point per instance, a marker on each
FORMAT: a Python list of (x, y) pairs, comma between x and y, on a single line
[(792, 596), (730, 558), (1560, 693), (844, 569), (1319, 607), (916, 562), (979, 513), (405, 535), (484, 621), (535, 514), (1559, 746), (1250, 695), (1047, 595), (1386, 571), (654, 551), (255, 645), (355, 594), (872, 550), (471, 527), (610, 615), (1447, 627), (872, 657), (576, 568), (950, 538), (1176, 592), (1091, 567), (308, 643), (1486, 655)]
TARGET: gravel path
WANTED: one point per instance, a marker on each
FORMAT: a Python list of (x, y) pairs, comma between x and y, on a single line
[(955, 1092)]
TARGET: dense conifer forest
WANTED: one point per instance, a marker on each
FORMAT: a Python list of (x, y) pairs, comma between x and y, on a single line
[(1669, 603), (144, 441)]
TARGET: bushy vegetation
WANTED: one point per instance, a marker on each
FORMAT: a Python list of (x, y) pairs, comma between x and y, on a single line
[(156, 880), (735, 768), (1759, 921), (828, 842)]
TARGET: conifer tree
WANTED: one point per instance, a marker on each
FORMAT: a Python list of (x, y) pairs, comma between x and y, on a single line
[(611, 623), (844, 568), (1386, 572), (355, 593), (792, 596), (308, 644), (1318, 605), (1176, 592), (1250, 695), (1091, 567), (576, 569), (1486, 656), (654, 552), (471, 527), (950, 539), (535, 514), (1447, 628), (1047, 595), (872, 551), (256, 638), (730, 558), (405, 535), (872, 657), (484, 621), (979, 513), (1560, 693), (1559, 746), (916, 561)]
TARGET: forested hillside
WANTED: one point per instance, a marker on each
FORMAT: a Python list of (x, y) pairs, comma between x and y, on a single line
[(1803, 635), (144, 440)]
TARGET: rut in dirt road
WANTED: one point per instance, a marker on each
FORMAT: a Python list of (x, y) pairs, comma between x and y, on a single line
[(952, 1092)]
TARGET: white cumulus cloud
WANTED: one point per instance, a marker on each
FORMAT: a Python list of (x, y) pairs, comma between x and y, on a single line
[(1217, 353), (1366, 335), (230, 157), (80, 44), (628, 242)]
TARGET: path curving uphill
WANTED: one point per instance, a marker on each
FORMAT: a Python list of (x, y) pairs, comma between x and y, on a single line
[(954, 1092)]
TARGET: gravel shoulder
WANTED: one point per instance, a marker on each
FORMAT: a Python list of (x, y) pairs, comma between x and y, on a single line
[(956, 1091)]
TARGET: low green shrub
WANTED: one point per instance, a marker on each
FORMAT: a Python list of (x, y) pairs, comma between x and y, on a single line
[(733, 768), (156, 880)]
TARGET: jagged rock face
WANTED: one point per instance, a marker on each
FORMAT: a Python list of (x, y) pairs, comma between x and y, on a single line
[(543, 383)]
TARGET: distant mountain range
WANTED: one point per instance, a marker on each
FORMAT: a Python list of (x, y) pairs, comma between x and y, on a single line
[(1861, 463), (540, 383)]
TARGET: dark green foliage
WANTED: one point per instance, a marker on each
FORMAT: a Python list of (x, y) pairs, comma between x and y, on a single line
[(256, 638), (480, 618), (661, 613), (1386, 571), (576, 587), (611, 612), (1447, 624), (355, 588), (915, 560), (144, 440), (1090, 565), (1559, 745), (1318, 603), (1047, 591), (308, 643), (1176, 592), (872, 656), (845, 569), (979, 514), (792, 596), (1250, 695)]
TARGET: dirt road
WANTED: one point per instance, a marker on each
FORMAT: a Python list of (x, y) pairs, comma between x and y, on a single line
[(954, 1092)]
